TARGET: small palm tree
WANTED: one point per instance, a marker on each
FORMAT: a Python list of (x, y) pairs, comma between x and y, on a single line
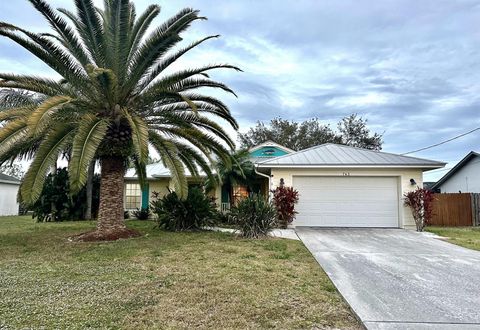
[(114, 100), (238, 170)]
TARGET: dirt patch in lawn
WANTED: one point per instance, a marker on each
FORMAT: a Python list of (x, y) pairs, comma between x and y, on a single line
[(105, 235)]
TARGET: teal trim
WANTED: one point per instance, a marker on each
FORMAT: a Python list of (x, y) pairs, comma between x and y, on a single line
[(145, 196), (268, 152), (225, 195)]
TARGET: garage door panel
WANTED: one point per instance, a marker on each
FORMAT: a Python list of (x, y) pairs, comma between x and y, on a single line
[(347, 201)]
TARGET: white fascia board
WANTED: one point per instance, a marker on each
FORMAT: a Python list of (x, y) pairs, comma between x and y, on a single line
[(349, 166)]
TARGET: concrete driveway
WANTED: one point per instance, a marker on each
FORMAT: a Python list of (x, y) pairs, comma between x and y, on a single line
[(399, 279)]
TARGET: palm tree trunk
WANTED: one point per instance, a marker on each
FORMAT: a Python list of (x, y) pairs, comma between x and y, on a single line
[(53, 207), (110, 212), (91, 172), (110, 224)]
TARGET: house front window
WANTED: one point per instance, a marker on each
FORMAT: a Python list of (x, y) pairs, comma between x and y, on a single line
[(133, 196), (239, 193)]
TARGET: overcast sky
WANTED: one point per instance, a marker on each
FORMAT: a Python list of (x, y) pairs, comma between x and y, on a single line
[(412, 68)]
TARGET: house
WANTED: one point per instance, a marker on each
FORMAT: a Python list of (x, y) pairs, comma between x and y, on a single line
[(463, 177), (339, 186), (159, 180), (8, 195)]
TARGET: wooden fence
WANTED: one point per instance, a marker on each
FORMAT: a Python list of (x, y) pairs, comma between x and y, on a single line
[(461, 209)]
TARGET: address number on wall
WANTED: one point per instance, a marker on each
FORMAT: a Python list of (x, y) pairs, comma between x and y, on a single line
[(346, 173)]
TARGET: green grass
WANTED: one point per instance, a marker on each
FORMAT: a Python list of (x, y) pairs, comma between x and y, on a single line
[(162, 280), (468, 237)]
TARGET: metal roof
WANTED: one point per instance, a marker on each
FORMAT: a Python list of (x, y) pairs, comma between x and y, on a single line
[(9, 179), (156, 170), (465, 160), (335, 155)]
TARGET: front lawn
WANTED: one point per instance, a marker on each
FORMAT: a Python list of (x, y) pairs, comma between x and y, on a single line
[(162, 280), (468, 237)]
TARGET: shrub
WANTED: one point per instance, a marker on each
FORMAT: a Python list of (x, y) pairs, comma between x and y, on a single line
[(420, 202), (254, 216), (126, 215), (193, 213), (56, 203), (142, 214), (284, 199)]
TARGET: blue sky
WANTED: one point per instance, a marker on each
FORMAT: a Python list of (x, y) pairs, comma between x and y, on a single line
[(412, 68)]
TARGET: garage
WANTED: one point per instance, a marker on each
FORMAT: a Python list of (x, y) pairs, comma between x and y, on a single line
[(347, 201), (343, 186)]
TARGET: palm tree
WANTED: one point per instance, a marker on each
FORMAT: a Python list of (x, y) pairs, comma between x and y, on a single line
[(238, 170), (117, 97)]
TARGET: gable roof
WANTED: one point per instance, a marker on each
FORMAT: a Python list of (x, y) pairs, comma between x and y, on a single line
[(270, 144), (158, 170), (8, 179), (335, 155), (456, 168)]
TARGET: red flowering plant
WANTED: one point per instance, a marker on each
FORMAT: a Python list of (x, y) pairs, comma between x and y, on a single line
[(420, 202), (284, 200)]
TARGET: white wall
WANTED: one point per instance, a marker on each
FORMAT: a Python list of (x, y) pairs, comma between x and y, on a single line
[(8, 199), (467, 179), (403, 175)]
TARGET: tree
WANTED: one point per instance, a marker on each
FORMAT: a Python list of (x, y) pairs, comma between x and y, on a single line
[(237, 170), (293, 135), (352, 131), (114, 100), (12, 169), (420, 202), (56, 203)]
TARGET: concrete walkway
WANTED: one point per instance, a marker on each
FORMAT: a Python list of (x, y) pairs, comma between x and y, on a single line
[(398, 279), (278, 233)]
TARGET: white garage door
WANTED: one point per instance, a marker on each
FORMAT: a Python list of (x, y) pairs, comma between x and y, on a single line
[(347, 201)]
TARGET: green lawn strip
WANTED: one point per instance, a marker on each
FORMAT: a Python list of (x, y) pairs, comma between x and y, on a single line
[(468, 237), (161, 280)]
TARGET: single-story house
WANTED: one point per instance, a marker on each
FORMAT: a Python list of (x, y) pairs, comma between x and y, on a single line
[(8, 195), (339, 186), (159, 180), (463, 177)]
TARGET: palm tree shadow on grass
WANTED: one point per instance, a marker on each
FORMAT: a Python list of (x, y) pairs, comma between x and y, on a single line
[(114, 100)]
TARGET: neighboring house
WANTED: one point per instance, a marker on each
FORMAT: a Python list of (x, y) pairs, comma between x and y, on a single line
[(339, 186), (8, 195), (463, 177), (428, 185)]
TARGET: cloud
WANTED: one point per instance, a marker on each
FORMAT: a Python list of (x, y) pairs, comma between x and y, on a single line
[(410, 67)]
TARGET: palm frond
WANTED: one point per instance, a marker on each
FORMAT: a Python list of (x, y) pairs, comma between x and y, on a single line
[(45, 157), (12, 133), (87, 139), (169, 155), (40, 85), (116, 29), (167, 61), (15, 113), (57, 58), (158, 43), (139, 137), (12, 98), (39, 119), (140, 27), (67, 35), (91, 30)]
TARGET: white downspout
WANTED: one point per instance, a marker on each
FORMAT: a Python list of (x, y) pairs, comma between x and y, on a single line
[(269, 182)]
